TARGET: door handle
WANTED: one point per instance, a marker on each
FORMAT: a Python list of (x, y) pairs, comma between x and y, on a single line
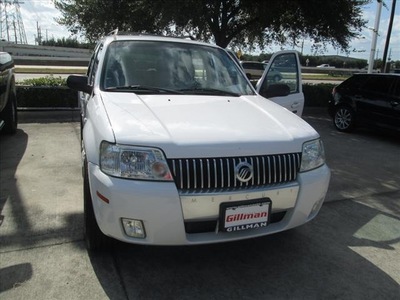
[(394, 103), (295, 104)]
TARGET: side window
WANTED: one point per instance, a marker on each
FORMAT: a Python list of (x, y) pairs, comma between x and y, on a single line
[(378, 84), (94, 61), (282, 76), (396, 89), (355, 82)]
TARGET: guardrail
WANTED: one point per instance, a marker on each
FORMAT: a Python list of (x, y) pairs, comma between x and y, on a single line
[(46, 55)]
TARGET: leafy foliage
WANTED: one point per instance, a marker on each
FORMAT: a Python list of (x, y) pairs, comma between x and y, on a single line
[(244, 23), (39, 96), (317, 95), (45, 81), (67, 42)]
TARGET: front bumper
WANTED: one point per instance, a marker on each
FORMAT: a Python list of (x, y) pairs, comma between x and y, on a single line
[(164, 211)]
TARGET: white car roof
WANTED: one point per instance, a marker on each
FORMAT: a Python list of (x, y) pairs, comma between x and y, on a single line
[(144, 37)]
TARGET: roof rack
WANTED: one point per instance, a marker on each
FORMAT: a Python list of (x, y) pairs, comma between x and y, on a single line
[(191, 37), (113, 33), (116, 32)]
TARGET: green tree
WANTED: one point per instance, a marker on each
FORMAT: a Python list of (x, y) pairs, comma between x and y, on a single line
[(248, 23), (67, 42)]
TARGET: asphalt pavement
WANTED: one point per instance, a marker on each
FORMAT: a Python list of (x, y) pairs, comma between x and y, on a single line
[(350, 251)]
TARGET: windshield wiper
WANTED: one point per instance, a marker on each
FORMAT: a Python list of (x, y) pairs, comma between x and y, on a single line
[(208, 91), (141, 88)]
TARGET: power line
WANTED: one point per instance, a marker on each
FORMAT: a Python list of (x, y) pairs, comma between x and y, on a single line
[(11, 24)]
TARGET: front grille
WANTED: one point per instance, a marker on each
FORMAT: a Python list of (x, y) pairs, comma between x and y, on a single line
[(217, 174)]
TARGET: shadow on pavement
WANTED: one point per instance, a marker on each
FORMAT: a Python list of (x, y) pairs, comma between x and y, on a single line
[(318, 260), (15, 275), (12, 149), (364, 162)]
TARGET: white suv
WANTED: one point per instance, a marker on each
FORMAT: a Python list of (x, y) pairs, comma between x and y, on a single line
[(179, 149)]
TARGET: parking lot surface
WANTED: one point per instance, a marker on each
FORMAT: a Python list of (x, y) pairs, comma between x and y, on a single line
[(350, 251)]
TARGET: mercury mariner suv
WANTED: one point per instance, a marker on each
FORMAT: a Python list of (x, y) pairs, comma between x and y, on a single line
[(178, 148)]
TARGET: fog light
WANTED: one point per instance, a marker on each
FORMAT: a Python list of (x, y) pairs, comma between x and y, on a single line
[(134, 228), (316, 208)]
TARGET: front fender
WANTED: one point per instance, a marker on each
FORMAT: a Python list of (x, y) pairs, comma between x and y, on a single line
[(96, 128)]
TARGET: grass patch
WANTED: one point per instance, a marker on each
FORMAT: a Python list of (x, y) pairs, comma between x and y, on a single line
[(49, 70)]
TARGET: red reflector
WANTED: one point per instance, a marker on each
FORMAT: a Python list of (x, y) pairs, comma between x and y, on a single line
[(102, 197)]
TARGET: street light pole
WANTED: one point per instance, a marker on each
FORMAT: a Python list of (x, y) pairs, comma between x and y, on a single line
[(374, 36), (389, 33)]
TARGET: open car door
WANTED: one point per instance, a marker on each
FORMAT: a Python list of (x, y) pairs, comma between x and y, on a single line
[(281, 81)]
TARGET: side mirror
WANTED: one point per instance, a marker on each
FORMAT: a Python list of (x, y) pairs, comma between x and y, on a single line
[(276, 90), (6, 61), (79, 83)]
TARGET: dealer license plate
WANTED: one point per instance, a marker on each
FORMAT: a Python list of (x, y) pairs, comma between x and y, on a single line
[(244, 215)]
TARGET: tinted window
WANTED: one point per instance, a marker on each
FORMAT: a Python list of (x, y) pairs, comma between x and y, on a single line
[(379, 84), (397, 87), (355, 82)]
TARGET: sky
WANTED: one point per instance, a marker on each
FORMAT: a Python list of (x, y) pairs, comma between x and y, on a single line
[(42, 13)]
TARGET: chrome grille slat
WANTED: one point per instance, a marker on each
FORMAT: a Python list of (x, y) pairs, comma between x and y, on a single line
[(208, 174), (222, 173), (217, 174), (269, 171), (264, 170), (229, 172), (201, 174), (194, 172), (181, 175)]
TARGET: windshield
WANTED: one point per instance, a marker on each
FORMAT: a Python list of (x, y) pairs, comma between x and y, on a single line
[(168, 67)]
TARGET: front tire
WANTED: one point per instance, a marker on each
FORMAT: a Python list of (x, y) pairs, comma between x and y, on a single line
[(344, 119), (9, 115), (94, 238)]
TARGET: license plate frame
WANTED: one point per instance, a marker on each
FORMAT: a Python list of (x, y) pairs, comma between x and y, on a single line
[(244, 215)]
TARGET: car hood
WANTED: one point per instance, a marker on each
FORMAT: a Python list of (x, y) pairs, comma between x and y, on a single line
[(200, 126)]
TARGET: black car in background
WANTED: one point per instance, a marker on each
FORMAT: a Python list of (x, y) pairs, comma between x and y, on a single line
[(366, 100)]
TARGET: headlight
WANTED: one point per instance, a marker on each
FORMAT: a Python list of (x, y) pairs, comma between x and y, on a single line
[(133, 162), (313, 155)]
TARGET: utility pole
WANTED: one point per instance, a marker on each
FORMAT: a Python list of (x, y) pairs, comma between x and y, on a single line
[(374, 36), (39, 33), (384, 68), (11, 24)]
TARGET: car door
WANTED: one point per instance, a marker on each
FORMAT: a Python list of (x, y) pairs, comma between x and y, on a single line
[(394, 104), (6, 63), (281, 81), (373, 100), (91, 73)]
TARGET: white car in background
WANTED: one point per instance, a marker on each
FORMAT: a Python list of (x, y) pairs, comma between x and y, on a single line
[(178, 147), (326, 66)]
